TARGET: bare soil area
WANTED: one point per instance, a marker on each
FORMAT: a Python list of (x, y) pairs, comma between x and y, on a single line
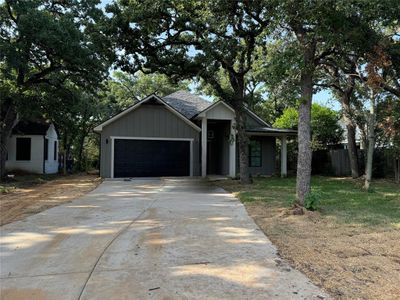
[(30, 197), (350, 247)]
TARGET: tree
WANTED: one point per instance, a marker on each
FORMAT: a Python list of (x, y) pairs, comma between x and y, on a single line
[(44, 43), (325, 127), (186, 39), (340, 77), (125, 89), (388, 130)]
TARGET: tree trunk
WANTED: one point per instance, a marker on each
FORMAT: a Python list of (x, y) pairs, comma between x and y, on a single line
[(371, 143), (80, 152), (65, 154), (396, 170), (8, 120), (243, 144), (238, 103), (303, 180), (351, 136)]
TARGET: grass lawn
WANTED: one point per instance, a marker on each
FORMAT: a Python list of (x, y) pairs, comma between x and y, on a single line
[(350, 246)]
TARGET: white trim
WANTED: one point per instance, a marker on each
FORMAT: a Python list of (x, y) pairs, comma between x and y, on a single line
[(283, 157), (112, 157), (203, 112), (99, 128), (113, 138), (204, 147), (254, 115)]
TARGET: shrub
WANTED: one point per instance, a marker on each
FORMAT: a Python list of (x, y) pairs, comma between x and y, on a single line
[(312, 200)]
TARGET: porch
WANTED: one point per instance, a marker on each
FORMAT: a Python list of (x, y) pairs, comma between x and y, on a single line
[(219, 155)]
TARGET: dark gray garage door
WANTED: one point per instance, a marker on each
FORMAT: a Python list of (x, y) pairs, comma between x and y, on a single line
[(151, 158)]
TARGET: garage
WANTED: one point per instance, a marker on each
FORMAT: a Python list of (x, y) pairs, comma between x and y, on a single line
[(151, 158)]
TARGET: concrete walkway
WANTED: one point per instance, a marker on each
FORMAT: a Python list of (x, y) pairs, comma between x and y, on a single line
[(146, 239)]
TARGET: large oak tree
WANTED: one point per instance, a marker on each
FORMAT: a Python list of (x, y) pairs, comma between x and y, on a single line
[(195, 39), (44, 43)]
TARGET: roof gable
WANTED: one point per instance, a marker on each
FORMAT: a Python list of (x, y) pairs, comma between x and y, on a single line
[(152, 97)]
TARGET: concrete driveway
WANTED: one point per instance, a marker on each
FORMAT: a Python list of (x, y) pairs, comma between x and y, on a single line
[(146, 239)]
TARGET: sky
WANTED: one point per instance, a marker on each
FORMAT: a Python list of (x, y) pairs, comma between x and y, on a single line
[(323, 97)]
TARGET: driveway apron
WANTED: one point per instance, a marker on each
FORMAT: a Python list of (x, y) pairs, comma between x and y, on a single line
[(146, 239)]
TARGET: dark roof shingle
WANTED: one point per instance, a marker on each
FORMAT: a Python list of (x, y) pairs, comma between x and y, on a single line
[(186, 103), (31, 128)]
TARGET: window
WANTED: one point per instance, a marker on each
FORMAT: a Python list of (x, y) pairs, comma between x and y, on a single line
[(23, 149), (55, 150), (255, 153), (46, 149)]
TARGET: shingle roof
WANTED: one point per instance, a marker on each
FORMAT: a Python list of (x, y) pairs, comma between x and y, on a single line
[(186, 103), (272, 130), (31, 127)]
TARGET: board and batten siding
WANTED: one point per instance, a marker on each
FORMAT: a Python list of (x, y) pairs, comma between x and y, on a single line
[(268, 152), (148, 120)]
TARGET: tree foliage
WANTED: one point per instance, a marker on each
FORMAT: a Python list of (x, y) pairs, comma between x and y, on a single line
[(43, 44), (325, 127), (209, 40)]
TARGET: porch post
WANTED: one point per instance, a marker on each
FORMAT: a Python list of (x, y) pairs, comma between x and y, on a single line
[(204, 147), (232, 150), (283, 157)]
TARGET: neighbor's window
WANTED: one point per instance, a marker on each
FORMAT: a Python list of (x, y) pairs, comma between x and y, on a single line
[(255, 153), (55, 150), (46, 149), (23, 149)]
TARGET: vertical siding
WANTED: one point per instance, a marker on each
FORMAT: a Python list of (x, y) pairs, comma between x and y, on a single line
[(268, 149), (252, 122), (147, 121)]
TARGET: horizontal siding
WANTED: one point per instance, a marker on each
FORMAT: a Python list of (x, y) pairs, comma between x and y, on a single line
[(148, 120)]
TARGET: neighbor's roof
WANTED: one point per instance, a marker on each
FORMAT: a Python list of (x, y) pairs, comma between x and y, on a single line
[(31, 127), (186, 103)]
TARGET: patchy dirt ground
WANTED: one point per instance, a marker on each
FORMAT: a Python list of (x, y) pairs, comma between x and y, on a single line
[(349, 258), (349, 262), (28, 199)]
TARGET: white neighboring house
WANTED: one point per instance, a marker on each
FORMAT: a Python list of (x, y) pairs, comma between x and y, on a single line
[(33, 148), (344, 140)]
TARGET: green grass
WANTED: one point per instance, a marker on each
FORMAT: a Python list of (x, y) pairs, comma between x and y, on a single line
[(340, 198)]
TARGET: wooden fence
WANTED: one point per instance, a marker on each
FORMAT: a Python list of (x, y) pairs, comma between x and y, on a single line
[(336, 162)]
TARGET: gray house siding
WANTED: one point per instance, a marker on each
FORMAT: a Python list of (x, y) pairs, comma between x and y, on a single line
[(268, 150), (147, 121), (252, 122)]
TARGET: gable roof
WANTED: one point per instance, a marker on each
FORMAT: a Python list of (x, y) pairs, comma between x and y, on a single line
[(182, 103), (27, 127), (186, 103), (99, 127), (214, 104)]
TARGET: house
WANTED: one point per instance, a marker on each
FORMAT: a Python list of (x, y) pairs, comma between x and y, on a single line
[(184, 135), (344, 143), (33, 147)]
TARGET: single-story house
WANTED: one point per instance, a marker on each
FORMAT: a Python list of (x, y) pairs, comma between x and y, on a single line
[(33, 148), (184, 135)]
